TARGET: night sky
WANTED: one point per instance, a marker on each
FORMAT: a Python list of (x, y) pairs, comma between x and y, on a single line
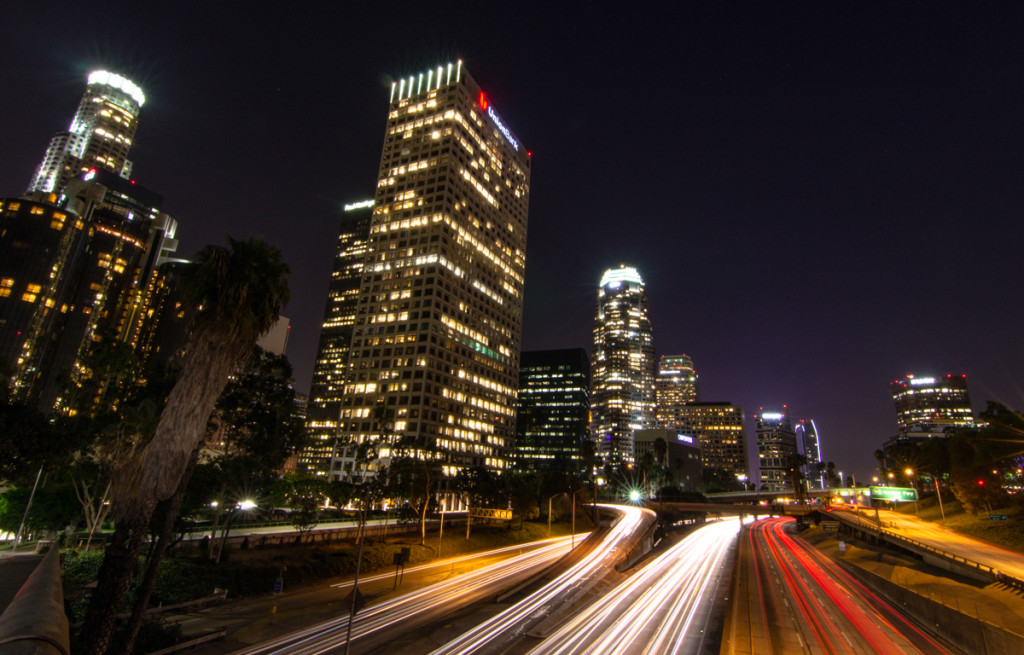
[(820, 197)]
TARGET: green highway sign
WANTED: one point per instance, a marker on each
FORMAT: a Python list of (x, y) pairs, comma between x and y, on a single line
[(897, 494), (997, 517)]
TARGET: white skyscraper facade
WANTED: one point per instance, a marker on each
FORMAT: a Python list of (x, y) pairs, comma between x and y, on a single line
[(100, 135), (623, 368), (434, 359)]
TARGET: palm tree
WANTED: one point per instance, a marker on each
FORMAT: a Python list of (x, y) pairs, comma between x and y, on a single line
[(238, 293)]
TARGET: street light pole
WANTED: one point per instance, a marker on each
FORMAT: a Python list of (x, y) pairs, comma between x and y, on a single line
[(938, 493)]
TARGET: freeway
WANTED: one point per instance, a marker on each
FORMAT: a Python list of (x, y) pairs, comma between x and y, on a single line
[(496, 569), (663, 608), (797, 600), (496, 634), (953, 543)]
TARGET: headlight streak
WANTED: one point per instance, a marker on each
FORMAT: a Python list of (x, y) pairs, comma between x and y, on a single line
[(452, 593), (667, 592), (512, 622)]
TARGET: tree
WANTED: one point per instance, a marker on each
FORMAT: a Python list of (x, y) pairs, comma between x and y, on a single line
[(795, 473), (831, 477), (522, 493), (588, 449), (414, 471), (256, 429), (28, 440), (238, 292), (304, 495)]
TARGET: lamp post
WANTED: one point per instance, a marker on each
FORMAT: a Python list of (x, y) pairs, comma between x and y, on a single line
[(938, 491), (910, 476)]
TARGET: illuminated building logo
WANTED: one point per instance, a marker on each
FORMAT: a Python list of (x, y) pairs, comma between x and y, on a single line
[(363, 204), (507, 133)]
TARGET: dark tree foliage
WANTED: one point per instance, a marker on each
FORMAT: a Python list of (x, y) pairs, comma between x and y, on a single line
[(481, 487), (54, 507), (29, 440)]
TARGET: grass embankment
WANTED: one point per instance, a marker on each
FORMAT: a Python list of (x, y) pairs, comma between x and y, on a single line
[(1007, 534), (249, 572)]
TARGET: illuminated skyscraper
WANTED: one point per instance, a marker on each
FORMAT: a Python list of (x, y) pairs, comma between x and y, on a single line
[(435, 347), (323, 412), (776, 443), (100, 135), (936, 402), (73, 274), (810, 447), (719, 428), (676, 385), (553, 410), (623, 365)]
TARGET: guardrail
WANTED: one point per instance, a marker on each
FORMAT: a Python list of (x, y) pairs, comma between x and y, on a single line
[(889, 535), (34, 623)]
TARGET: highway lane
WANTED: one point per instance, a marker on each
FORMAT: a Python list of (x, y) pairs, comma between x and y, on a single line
[(806, 603), (485, 572), (662, 608), (951, 542), (495, 634)]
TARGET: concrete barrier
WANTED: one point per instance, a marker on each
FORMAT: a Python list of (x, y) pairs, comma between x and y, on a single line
[(970, 634), (34, 623)]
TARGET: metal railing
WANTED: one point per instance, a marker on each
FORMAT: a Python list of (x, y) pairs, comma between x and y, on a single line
[(889, 535)]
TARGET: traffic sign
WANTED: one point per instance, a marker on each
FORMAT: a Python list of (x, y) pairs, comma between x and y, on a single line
[(897, 494), (997, 517), (830, 526)]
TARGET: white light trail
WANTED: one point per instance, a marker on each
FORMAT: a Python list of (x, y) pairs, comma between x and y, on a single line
[(451, 594), (563, 589), (653, 610)]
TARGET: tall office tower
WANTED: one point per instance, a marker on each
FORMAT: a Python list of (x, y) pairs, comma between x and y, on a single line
[(323, 412), (676, 386), (435, 348), (776, 443), (73, 275), (932, 401), (553, 410), (810, 447), (100, 135), (718, 427), (623, 365)]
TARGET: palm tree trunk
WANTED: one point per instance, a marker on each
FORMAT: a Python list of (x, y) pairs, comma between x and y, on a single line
[(170, 514), (112, 582)]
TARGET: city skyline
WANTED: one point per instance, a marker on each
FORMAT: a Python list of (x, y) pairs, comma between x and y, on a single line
[(821, 200)]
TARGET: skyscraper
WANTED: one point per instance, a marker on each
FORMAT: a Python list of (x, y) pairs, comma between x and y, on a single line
[(553, 410), (74, 274), (100, 135), (718, 426), (928, 401), (435, 347), (676, 385), (810, 447), (776, 443), (623, 365), (323, 412)]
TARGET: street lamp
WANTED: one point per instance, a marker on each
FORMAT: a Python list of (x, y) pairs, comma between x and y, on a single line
[(909, 472), (938, 491)]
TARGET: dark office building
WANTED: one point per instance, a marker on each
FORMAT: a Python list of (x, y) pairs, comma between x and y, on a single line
[(553, 409)]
